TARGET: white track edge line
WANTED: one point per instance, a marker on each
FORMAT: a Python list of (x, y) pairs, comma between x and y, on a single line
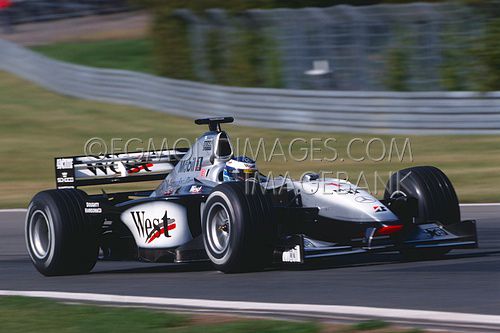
[(434, 316), (13, 210)]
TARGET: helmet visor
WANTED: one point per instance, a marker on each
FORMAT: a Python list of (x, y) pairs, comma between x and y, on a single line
[(243, 174)]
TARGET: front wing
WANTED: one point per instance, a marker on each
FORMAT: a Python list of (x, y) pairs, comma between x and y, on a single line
[(432, 235)]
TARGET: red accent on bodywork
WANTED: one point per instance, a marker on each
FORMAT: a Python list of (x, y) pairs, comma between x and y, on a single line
[(140, 167), (389, 229), (5, 4), (160, 232)]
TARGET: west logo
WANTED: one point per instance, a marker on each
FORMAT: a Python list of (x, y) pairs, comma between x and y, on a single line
[(151, 229)]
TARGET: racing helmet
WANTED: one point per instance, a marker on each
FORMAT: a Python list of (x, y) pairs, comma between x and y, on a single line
[(239, 168)]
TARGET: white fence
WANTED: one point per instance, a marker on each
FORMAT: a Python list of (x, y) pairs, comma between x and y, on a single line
[(320, 111)]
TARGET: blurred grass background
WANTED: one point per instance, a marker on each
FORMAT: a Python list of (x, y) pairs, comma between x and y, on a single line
[(129, 54), (38, 125)]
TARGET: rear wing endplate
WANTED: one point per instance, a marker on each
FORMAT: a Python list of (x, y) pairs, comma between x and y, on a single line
[(75, 171)]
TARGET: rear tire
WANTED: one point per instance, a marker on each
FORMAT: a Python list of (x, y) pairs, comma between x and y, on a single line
[(436, 200), (61, 239), (238, 229)]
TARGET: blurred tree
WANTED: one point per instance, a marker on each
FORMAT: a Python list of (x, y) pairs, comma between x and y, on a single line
[(486, 47), (487, 54), (455, 56), (397, 63), (239, 61), (172, 52), (216, 56)]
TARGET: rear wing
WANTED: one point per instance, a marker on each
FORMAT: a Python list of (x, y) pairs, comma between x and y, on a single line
[(72, 172)]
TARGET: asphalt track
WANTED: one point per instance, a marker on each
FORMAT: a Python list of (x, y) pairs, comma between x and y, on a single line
[(465, 281)]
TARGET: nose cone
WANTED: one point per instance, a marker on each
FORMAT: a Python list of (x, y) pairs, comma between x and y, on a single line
[(345, 202)]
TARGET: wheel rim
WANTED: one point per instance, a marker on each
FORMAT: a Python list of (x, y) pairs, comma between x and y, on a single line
[(398, 194), (39, 234), (218, 228)]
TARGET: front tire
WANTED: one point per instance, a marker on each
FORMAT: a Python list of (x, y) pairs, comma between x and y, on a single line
[(238, 228), (61, 239), (436, 201)]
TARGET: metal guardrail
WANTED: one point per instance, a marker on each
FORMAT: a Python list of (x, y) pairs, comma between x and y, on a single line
[(320, 111)]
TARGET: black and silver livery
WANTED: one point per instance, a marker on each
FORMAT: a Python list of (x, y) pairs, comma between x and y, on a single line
[(193, 215)]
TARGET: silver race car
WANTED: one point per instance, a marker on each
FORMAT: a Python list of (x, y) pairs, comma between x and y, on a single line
[(213, 206)]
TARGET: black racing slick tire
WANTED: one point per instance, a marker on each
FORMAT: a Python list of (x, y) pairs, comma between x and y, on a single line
[(61, 239), (436, 200), (237, 227)]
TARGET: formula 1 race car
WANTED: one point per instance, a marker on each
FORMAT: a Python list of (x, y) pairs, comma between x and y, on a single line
[(213, 206)]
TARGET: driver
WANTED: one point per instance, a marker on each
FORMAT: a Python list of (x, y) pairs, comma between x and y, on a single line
[(240, 168)]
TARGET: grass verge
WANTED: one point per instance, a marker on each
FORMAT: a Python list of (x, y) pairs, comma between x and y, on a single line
[(37, 125), (24, 314), (129, 54)]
